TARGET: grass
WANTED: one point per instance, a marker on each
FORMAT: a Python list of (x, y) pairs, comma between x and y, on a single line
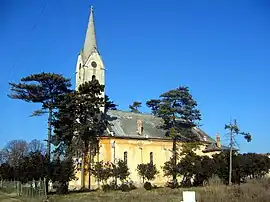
[(258, 190)]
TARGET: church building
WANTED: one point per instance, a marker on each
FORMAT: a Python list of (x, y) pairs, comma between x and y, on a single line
[(133, 137)]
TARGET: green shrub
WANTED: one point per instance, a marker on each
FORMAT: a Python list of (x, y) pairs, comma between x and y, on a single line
[(147, 185), (147, 171), (172, 184), (106, 188), (124, 187)]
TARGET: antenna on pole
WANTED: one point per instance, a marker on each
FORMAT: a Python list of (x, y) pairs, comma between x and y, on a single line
[(231, 148)]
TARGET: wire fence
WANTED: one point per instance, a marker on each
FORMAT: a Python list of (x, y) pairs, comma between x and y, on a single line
[(31, 189)]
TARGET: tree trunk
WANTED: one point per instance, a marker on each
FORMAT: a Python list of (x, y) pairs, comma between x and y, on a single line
[(48, 153), (98, 161), (83, 170), (174, 161), (85, 150), (49, 135), (89, 166), (230, 169)]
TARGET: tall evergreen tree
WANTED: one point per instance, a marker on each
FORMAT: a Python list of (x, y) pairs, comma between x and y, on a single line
[(80, 119), (43, 88), (178, 110)]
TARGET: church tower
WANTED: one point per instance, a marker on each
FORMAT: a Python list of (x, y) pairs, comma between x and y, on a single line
[(89, 62)]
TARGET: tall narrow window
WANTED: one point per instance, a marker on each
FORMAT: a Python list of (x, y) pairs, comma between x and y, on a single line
[(151, 157), (125, 157), (80, 67)]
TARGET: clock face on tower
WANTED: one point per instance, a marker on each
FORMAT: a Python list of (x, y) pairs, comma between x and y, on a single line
[(94, 64)]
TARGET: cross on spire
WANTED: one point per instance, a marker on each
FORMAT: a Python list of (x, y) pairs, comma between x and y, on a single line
[(90, 43)]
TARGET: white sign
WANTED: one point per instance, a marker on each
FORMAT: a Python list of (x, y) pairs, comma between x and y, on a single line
[(189, 196)]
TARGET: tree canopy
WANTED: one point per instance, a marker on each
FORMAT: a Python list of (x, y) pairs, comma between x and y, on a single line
[(109, 104), (79, 116), (135, 107), (178, 110), (45, 88)]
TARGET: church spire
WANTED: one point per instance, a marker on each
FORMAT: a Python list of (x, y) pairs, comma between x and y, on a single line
[(90, 43)]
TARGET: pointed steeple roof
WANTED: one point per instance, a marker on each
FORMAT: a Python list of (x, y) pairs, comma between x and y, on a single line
[(90, 43)]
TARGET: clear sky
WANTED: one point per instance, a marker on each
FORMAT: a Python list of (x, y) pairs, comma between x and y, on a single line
[(220, 49)]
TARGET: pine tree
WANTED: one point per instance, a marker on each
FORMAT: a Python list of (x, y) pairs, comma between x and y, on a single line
[(178, 110), (44, 88), (80, 119), (135, 107)]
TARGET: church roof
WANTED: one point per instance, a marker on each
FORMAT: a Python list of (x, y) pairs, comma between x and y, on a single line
[(213, 147), (124, 124)]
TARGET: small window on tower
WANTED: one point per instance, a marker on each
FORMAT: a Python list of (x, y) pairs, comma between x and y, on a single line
[(94, 64)]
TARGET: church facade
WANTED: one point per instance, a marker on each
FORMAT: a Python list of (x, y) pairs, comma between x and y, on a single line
[(132, 137)]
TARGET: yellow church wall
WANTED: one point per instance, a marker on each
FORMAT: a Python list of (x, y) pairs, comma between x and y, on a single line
[(138, 151)]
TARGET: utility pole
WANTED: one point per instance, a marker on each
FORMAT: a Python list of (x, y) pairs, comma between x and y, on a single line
[(234, 131), (231, 148)]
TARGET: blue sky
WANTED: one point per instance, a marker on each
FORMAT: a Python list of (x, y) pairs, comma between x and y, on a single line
[(220, 49)]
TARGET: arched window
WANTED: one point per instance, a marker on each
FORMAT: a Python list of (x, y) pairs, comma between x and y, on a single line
[(80, 66), (125, 157), (151, 158)]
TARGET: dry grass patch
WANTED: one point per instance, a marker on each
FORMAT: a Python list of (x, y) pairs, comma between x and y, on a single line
[(257, 190)]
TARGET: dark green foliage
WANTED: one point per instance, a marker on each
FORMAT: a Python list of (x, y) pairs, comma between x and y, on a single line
[(235, 130), (207, 167), (106, 187), (202, 168), (132, 185), (147, 171), (178, 110), (109, 104), (170, 168), (61, 172), (6, 172), (147, 186), (80, 120), (153, 105), (187, 167), (23, 161), (33, 166), (135, 107), (29, 167), (120, 170), (124, 187), (79, 117), (44, 88), (102, 171)]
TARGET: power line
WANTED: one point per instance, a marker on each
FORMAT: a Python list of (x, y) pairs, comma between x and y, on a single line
[(30, 33)]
